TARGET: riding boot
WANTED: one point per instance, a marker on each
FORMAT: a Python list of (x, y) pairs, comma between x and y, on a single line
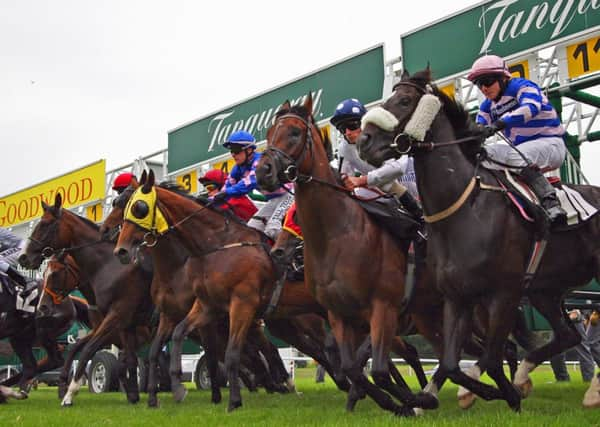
[(545, 193), (411, 205)]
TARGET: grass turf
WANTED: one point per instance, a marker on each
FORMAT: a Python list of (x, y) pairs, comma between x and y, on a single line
[(551, 404)]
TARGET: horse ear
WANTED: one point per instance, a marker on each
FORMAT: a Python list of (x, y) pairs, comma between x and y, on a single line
[(57, 201), (144, 177), (308, 103), (286, 105), (148, 182), (405, 75), (45, 206)]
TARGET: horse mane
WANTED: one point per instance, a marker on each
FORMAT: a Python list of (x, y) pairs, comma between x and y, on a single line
[(301, 111), (87, 221), (459, 117)]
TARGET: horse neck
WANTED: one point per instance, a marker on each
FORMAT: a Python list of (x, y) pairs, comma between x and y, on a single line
[(201, 229), (443, 173), (92, 258), (323, 211), (168, 257)]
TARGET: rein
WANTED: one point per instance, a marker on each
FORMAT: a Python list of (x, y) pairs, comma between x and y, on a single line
[(291, 172)]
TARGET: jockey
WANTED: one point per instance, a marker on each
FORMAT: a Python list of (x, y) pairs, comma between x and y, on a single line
[(122, 181), (358, 173), (242, 206), (10, 247), (242, 180), (519, 109)]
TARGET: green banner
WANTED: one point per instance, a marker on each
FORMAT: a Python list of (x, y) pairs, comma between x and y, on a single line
[(504, 28), (360, 76)]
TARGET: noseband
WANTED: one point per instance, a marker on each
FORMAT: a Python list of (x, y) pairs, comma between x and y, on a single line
[(290, 173)]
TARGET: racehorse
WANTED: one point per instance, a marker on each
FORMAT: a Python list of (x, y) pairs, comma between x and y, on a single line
[(26, 327), (173, 296), (119, 293), (358, 295), (229, 266), (478, 248)]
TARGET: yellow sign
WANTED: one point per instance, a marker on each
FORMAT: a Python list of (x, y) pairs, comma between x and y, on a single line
[(94, 212), (189, 181), (583, 57), (76, 188), (520, 69), (225, 166), (448, 90)]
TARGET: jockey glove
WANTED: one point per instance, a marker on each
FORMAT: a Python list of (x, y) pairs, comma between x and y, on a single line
[(220, 197), (16, 276), (493, 128)]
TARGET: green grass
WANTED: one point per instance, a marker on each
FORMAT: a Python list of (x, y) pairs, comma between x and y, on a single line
[(551, 404)]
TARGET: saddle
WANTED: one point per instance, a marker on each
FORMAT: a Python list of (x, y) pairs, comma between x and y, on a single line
[(524, 200), (389, 214)]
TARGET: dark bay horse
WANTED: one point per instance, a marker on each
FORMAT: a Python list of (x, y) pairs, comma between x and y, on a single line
[(229, 266), (120, 293), (173, 296), (341, 239), (478, 248), (26, 326)]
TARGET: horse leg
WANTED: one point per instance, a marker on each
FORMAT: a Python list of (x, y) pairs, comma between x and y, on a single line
[(565, 336), (190, 322), (98, 339), (501, 308), (23, 347), (131, 363), (63, 377), (208, 334), (241, 316), (345, 335), (457, 327), (276, 375), (410, 355), (165, 327)]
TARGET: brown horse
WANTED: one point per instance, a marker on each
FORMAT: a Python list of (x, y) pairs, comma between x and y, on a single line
[(359, 295), (120, 293), (478, 249), (229, 266), (174, 296)]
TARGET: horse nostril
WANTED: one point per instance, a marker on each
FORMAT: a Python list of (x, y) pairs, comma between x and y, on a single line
[(23, 260), (277, 254), (42, 310)]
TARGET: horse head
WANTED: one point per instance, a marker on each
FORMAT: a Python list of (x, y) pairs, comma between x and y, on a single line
[(293, 144), (407, 120), (61, 277), (46, 237), (142, 220)]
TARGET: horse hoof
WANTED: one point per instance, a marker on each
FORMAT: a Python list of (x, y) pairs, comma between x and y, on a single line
[(525, 388), (466, 400), (216, 398), (133, 399), (426, 400), (419, 412), (404, 411), (233, 406), (591, 398), (66, 404), (153, 402), (179, 393), (21, 395)]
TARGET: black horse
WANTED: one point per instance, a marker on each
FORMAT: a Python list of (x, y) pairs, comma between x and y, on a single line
[(478, 249), (25, 328)]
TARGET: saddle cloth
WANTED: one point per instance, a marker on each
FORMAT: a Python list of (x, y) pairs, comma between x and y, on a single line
[(577, 208)]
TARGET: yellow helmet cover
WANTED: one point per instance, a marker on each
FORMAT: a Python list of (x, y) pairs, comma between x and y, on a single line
[(142, 210)]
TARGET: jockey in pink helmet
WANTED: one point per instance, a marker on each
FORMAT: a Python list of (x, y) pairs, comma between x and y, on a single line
[(519, 109)]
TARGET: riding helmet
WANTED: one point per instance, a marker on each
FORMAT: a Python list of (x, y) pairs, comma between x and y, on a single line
[(348, 109), (240, 138), (214, 176), (123, 180), (488, 65)]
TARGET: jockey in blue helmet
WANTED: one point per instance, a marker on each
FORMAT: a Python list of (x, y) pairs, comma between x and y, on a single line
[(358, 173), (242, 180)]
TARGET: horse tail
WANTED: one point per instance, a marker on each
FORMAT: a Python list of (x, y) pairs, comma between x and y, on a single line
[(522, 334), (81, 310)]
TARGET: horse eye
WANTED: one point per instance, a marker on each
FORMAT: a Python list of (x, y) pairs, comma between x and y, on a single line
[(140, 209)]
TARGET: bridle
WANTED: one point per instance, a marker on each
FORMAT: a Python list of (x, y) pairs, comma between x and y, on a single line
[(291, 172), (411, 144), (59, 296)]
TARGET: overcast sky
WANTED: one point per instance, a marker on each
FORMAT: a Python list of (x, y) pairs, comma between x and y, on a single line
[(83, 80)]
